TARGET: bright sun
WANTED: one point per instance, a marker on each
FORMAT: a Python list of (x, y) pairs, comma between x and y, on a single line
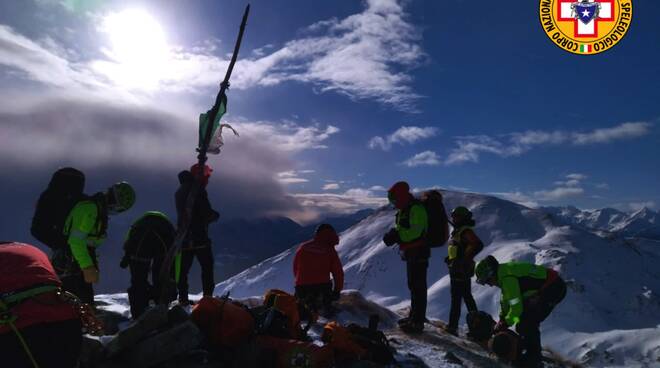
[(138, 48)]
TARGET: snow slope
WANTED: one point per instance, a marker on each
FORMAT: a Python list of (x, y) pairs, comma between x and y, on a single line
[(610, 317)]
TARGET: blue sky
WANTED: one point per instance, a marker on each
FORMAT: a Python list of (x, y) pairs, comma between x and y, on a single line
[(334, 101)]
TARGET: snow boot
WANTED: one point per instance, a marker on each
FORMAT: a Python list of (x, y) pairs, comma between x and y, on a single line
[(412, 327), (450, 330), (403, 321)]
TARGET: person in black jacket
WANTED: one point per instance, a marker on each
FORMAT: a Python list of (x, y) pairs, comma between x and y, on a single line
[(197, 243), (145, 247)]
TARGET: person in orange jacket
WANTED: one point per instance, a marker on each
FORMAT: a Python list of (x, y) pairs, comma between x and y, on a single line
[(314, 262)]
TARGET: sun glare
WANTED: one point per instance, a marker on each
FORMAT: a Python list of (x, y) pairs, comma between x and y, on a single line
[(138, 48)]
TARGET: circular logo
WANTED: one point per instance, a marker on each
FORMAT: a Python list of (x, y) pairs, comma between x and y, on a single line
[(586, 26)]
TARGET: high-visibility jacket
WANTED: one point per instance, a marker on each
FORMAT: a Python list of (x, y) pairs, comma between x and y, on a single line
[(85, 227), (519, 281), (411, 225)]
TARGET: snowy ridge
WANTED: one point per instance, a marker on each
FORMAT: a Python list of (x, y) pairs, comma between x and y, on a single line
[(610, 317), (643, 223)]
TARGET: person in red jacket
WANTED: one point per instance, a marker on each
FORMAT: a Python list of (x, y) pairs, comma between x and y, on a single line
[(314, 262), (37, 326)]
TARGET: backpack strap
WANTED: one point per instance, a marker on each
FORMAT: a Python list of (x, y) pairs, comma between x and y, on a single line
[(7, 301)]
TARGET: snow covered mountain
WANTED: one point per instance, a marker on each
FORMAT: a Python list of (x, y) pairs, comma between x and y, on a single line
[(610, 317), (643, 223)]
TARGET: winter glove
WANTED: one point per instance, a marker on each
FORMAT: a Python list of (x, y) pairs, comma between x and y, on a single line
[(501, 326), (391, 238), (214, 216), (91, 275), (124, 262), (405, 223), (336, 295)]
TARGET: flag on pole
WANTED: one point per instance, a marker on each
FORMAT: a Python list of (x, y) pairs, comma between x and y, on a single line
[(216, 134)]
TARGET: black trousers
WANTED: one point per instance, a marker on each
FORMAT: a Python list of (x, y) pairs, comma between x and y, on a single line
[(416, 269), (204, 255), (70, 274), (535, 310), (316, 296), (461, 291), (53, 345), (141, 291)]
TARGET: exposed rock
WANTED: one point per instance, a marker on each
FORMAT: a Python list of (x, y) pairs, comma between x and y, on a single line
[(165, 345), (149, 321), (92, 352)]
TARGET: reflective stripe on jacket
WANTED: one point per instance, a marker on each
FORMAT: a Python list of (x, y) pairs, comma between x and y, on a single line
[(518, 281), (83, 230)]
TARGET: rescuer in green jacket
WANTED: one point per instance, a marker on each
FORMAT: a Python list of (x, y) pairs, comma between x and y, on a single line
[(86, 228), (529, 294), (409, 232)]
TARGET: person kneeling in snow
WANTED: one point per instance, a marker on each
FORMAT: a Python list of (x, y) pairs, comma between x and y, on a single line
[(314, 261), (529, 294)]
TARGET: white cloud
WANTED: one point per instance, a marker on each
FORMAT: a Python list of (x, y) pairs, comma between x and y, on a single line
[(518, 197), (367, 55), (405, 134), (293, 176), (603, 186), (378, 188), (426, 158), (576, 176), (606, 135), (315, 205), (558, 193), (470, 148), (331, 186), (636, 206), (289, 136)]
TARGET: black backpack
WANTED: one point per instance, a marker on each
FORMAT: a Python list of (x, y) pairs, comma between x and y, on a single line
[(480, 325), (373, 340), (54, 205), (437, 233)]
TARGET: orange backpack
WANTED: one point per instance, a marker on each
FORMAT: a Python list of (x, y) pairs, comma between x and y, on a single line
[(295, 353), (339, 339), (286, 304), (226, 323)]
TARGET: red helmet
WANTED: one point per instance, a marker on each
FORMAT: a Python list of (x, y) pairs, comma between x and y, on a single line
[(206, 174), (399, 194)]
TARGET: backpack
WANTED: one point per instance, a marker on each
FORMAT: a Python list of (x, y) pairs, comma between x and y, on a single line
[(437, 233), (356, 342), (225, 322), (64, 191), (294, 353), (480, 325), (506, 345), (280, 315)]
